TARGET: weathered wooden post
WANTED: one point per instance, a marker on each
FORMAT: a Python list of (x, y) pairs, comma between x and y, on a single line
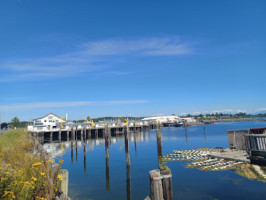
[(96, 133), (85, 133), (59, 135), (159, 148), (76, 151), (51, 136), (135, 143), (106, 137), (128, 183), (156, 185), (76, 133), (84, 153), (89, 133), (81, 134), (126, 147), (167, 185), (72, 151), (67, 135), (72, 133), (64, 185)]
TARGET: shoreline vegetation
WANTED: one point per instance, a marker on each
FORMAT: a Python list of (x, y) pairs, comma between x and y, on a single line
[(214, 117), (26, 173)]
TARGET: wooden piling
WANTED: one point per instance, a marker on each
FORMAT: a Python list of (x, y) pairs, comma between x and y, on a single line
[(126, 147), (167, 185), (67, 135), (85, 161), (159, 148), (96, 133), (89, 133), (156, 185), (72, 151), (72, 133), (59, 135), (128, 183), (51, 136), (106, 137)]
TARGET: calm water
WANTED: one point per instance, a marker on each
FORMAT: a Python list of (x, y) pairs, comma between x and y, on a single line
[(88, 177)]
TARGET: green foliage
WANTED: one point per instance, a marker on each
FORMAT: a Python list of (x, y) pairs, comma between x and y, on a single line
[(24, 175), (7, 138), (15, 122)]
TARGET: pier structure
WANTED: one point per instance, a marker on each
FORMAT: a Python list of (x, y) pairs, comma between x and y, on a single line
[(74, 132)]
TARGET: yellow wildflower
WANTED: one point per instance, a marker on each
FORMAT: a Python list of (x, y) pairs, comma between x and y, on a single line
[(36, 164), (33, 178), (42, 173), (59, 177)]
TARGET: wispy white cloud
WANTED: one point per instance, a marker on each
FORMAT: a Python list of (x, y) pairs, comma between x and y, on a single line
[(39, 105), (93, 58), (261, 109), (148, 46)]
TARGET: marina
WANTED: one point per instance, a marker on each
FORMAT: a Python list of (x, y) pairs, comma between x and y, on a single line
[(90, 176)]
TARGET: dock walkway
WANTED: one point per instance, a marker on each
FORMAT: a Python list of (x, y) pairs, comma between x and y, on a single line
[(231, 154)]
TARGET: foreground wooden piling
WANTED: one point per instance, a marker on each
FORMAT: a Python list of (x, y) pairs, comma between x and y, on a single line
[(156, 185), (128, 183), (159, 148), (167, 185), (160, 179)]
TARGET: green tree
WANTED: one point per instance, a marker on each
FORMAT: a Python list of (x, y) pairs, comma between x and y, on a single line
[(88, 118), (15, 122)]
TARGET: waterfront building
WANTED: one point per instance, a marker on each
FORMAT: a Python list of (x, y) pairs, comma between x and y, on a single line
[(47, 122), (164, 119)]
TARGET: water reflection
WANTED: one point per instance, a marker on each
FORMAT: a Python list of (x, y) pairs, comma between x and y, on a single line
[(204, 133)]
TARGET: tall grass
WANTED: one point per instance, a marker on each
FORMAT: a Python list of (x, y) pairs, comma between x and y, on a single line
[(9, 137), (23, 174)]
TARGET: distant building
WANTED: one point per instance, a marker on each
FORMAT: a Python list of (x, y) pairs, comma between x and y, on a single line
[(163, 119), (45, 123), (188, 119)]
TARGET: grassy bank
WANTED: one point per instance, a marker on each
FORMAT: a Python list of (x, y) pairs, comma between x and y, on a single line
[(23, 173)]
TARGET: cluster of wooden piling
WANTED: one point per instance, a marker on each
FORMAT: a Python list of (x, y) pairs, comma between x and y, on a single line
[(160, 179), (75, 133)]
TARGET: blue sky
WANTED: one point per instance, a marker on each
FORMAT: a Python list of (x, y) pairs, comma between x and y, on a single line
[(141, 58)]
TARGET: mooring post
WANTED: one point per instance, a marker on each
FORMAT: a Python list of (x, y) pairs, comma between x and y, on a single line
[(51, 136), (72, 151), (159, 148), (72, 133), (76, 133), (76, 144), (85, 133), (81, 134), (128, 183), (126, 147), (89, 133), (156, 185), (67, 135), (96, 133), (59, 135), (106, 137), (167, 185), (84, 153), (64, 184)]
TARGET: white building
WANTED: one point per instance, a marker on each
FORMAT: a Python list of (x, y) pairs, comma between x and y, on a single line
[(46, 123), (163, 119), (189, 119)]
